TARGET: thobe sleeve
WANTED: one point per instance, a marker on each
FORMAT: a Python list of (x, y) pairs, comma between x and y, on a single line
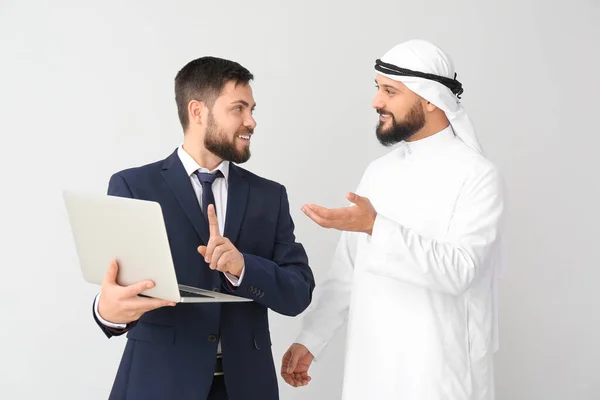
[(329, 311), (450, 264)]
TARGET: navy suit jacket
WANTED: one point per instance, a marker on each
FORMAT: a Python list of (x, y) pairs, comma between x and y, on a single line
[(171, 352)]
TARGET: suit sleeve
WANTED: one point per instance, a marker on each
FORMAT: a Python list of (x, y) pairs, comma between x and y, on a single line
[(117, 186), (285, 282)]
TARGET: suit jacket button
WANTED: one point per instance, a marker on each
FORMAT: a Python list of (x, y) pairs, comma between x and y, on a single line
[(212, 338)]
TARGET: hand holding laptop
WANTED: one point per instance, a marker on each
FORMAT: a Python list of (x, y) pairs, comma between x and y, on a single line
[(220, 253), (121, 304)]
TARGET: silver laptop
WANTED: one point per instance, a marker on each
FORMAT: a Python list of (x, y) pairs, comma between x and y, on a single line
[(133, 232)]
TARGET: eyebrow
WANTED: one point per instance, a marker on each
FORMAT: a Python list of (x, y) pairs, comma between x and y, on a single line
[(386, 86), (243, 102)]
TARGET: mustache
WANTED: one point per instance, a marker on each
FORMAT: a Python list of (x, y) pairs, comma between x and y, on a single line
[(246, 131)]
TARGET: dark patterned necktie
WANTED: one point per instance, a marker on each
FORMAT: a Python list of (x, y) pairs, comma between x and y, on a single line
[(206, 180)]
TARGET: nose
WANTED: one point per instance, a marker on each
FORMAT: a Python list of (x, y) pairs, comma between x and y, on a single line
[(250, 122), (377, 102)]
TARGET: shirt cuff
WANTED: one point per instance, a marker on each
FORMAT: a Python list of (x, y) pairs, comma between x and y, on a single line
[(234, 280), (102, 321), (314, 344)]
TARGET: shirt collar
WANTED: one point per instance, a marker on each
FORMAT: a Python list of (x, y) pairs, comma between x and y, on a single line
[(190, 165), (434, 143)]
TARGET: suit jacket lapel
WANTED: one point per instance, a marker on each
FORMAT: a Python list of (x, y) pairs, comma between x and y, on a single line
[(237, 198), (179, 182)]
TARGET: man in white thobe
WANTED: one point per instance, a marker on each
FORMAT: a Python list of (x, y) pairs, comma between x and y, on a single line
[(416, 268)]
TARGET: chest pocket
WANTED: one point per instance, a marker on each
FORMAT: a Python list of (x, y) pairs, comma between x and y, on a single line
[(257, 236)]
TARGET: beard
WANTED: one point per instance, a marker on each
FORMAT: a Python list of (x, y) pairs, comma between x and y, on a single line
[(216, 141), (399, 131)]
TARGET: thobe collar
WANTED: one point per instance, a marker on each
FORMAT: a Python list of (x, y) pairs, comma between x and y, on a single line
[(431, 144)]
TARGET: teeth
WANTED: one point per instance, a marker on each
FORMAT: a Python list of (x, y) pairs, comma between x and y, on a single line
[(246, 137)]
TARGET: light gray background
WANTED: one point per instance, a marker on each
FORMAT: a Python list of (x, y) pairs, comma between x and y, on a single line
[(86, 90)]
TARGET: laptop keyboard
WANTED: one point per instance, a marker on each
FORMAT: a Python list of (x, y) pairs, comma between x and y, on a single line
[(185, 293)]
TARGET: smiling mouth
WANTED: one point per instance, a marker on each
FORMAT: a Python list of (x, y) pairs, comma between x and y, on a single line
[(245, 137)]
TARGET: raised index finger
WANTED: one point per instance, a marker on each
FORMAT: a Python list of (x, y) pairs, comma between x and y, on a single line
[(213, 223)]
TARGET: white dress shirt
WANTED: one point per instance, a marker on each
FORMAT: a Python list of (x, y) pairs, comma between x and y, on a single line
[(219, 187)]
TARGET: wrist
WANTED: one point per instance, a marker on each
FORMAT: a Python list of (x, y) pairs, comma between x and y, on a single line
[(105, 320), (237, 272), (100, 309), (369, 229), (107, 316), (240, 268)]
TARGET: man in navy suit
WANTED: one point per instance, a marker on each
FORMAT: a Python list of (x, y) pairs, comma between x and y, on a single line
[(229, 230)]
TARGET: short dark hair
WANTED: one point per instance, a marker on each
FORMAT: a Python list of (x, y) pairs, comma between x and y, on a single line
[(203, 79)]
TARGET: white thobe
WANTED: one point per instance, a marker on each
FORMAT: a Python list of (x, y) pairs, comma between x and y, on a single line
[(417, 294)]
